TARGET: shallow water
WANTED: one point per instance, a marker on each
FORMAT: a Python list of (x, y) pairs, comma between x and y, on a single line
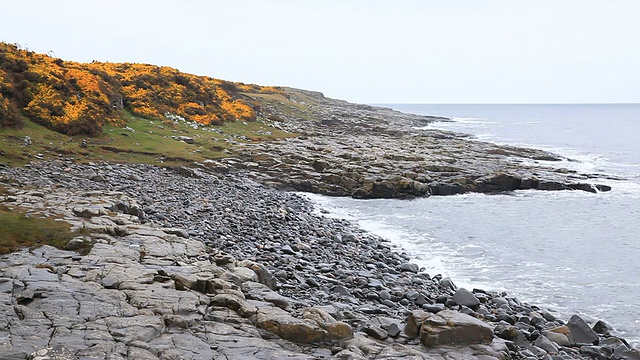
[(572, 251)]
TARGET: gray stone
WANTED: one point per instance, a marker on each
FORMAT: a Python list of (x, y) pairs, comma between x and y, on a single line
[(261, 292), (546, 344), (178, 232), (376, 332), (448, 283), (433, 308), (602, 328), (394, 330), (409, 267), (186, 139), (464, 297), (557, 338), (581, 332)]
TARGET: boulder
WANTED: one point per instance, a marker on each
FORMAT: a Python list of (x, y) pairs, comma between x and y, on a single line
[(287, 327), (602, 328), (581, 332), (451, 327), (464, 297), (414, 321)]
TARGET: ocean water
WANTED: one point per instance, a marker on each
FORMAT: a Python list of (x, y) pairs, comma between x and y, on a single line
[(570, 251)]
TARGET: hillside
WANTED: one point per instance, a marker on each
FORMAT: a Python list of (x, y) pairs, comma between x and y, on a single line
[(123, 112), (79, 98)]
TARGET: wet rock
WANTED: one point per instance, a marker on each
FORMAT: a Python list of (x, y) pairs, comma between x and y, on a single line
[(448, 283), (602, 328), (595, 352), (581, 332)]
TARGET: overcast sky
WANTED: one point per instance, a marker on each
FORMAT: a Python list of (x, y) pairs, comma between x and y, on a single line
[(368, 51)]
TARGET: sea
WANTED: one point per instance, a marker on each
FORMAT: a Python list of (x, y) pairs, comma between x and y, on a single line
[(571, 252)]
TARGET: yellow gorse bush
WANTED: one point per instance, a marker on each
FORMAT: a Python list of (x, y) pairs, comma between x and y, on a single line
[(79, 98)]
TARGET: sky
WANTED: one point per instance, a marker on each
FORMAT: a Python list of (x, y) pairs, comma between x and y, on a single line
[(365, 51)]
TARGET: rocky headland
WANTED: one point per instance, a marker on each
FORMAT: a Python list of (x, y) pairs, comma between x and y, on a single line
[(188, 263), (346, 149)]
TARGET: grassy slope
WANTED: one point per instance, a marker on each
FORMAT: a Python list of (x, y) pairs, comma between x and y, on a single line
[(141, 141), (20, 229)]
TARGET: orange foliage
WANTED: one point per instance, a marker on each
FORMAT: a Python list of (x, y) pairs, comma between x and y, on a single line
[(76, 98)]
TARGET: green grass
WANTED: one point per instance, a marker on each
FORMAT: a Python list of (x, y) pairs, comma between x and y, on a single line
[(284, 105), (20, 230), (148, 142)]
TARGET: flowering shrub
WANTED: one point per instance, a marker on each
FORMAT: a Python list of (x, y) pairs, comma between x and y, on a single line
[(78, 98)]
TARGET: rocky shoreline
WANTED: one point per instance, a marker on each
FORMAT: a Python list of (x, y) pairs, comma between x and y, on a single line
[(346, 149), (190, 264)]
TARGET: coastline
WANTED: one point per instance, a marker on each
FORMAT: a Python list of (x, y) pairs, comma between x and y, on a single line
[(533, 265), (268, 259), (367, 152)]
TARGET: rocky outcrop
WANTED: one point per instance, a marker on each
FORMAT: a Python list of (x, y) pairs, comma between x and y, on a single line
[(370, 152), (223, 268)]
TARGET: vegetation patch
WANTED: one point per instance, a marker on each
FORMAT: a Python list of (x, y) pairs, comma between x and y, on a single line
[(141, 141), (20, 230)]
